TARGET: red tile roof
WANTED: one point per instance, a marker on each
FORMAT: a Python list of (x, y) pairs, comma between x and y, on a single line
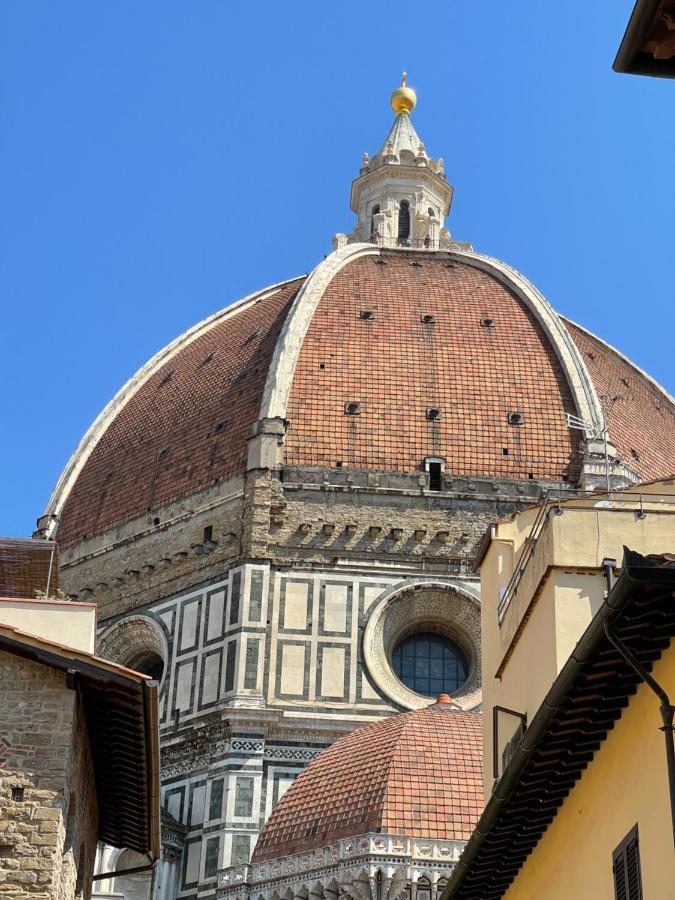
[(641, 417), (416, 774), (186, 428), (397, 368)]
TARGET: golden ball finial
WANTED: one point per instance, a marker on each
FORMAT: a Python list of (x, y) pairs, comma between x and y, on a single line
[(403, 99)]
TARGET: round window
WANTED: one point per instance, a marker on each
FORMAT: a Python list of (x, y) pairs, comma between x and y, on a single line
[(430, 664)]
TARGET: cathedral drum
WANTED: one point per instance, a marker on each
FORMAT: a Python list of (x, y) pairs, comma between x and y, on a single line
[(277, 515)]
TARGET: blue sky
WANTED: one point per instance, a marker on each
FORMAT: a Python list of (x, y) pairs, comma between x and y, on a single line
[(161, 159)]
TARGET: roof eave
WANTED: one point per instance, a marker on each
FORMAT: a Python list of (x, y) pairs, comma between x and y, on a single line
[(630, 58), (106, 688)]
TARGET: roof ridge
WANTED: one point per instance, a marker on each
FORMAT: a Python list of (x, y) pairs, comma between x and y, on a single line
[(622, 356)]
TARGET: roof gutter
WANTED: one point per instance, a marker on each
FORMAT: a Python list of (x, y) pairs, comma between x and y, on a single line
[(631, 576)]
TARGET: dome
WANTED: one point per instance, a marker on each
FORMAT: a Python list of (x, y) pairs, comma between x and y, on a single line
[(377, 360), (416, 774)]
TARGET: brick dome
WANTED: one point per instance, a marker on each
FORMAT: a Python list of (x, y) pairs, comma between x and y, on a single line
[(376, 360), (417, 774)]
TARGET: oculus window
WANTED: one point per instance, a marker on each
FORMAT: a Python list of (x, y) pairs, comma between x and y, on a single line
[(430, 664)]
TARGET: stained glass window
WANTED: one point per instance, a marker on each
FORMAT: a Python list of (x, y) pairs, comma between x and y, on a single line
[(430, 664)]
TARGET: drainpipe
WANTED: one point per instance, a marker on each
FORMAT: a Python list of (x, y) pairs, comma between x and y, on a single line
[(666, 708)]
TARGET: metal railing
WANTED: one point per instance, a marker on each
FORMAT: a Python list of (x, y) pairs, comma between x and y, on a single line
[(408, 243), (616, 501), (524, 558)]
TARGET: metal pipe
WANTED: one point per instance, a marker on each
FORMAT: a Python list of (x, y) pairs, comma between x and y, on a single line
[(49, 573), (666, 708)]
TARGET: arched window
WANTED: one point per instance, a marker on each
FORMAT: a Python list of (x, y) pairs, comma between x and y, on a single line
[(430, 664), (403, 221), (374, 211)]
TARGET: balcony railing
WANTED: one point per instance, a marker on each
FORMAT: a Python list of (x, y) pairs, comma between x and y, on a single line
[(640, 504), (426, 243)]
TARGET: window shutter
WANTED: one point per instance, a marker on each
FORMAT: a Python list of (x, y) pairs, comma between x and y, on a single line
[(620, 878), (626, 868)]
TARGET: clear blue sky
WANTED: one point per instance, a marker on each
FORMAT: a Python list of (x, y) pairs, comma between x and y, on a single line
[(161, 159)]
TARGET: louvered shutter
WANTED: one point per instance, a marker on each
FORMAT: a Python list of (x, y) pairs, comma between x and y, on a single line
[(626, 867)]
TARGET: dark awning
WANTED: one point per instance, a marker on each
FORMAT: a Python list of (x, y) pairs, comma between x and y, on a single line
[(120, 708)]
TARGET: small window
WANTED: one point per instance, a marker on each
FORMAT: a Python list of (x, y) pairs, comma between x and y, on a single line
[(17, 794), (626, 867), (373, 230), (208, 534), (423, 891), (427, 319), (433, 415), (403, 221), (516, 418), (352, 408), (435, 477)]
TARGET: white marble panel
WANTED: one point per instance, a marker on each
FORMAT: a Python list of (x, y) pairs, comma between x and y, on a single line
[(335, 607), (210, 682), (295, 605), (332, 672), (216, 608)]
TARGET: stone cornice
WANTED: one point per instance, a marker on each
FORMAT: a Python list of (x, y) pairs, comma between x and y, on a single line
[(347, 866)]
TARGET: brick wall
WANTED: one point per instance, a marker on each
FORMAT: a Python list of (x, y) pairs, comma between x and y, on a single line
[(44, 851)]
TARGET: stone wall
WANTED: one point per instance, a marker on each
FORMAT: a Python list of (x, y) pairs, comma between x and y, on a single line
[(296, 516), (47, 842), (143, 562)]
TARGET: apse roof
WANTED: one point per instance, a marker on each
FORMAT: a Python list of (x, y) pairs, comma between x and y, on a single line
[(417, 774)]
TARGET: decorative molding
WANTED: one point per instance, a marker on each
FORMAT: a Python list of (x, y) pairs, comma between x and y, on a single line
[(128, 640), (451, 608), (350, 867), (289, 343), (629, 362)]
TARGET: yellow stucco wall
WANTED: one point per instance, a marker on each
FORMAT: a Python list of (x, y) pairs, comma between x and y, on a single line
[(564, 578), (626, 783)]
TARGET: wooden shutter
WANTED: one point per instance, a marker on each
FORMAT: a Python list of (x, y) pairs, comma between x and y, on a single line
[(626, 867)]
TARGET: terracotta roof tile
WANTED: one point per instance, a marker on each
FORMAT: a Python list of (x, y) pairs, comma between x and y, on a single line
[(641, 417), (416, 774), (186, 428), (397, 367)]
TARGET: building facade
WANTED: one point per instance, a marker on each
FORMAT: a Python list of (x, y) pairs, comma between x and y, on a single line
[(277, 514), (579, 703)]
